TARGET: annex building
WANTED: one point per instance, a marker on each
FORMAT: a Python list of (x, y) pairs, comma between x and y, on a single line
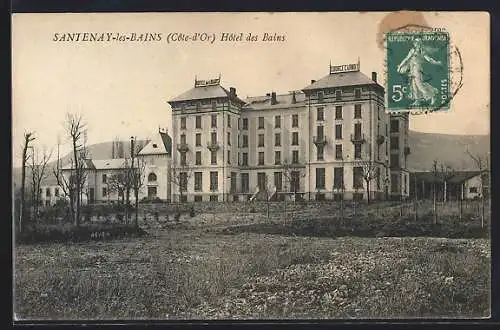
[(331, 139)]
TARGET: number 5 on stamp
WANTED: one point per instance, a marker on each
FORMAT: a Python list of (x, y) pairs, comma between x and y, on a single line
[(418, 74)]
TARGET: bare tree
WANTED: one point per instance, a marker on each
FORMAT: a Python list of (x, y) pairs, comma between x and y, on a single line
[(180, 176), (435, 178), (119, 182), (482, 163), (138, 174), (370, 172), (39, 173), (292, 182), (75, 129), (447, 172), (28, 138)]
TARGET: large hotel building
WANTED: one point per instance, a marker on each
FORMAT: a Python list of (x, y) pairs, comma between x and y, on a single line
[(331, 139)]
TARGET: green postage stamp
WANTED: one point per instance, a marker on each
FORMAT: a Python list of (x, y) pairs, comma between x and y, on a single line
[(418, 71)]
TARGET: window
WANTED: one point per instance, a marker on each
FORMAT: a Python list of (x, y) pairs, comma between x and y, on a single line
[(357, 93), (183, 122), (473, 190), (338, 151), (357, 177), (214, 137), (278, 181), (261, 140), (320, 114), (239, 124), (295, 157), (395, 161), (213, 157), (320, 153), (198, 106), (152, 177), (104, 192), (198, 121), (321, 96), (357, 111), (295, 181), (277, 157), (262, 181), (214, 198), (338, 131), (244, 159), (357, 130), (245, 141), (214, 181), (152, 192), (295, 138), (104, 178), (229, 156), (47, 192), (377, 175), (228, 138), (238, 141), (320, 178), (338, 95), (183, 139), (394, 183), (338, 177), (198, 139), (295, 120), (198, 198), (214, 121), (245, 182), (261, 122), (56, 192), (228, 120), (338, 112), (394, 126), (394, 142), (183, 181), (277, 139), (357, 151), (198, 181), (245, 123), (261, 158), (233, 182), (320, 133), (214, 105), (198, 158), (183, 159), (277, 122)]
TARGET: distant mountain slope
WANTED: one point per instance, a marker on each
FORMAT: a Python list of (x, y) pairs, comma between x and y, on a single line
[(447, 149), (425, 148)]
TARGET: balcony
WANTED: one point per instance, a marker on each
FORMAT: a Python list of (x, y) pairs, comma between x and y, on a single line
[(407, 151), (213, 145), (182, 147), (358, 138), (319, 141), (381, 139)]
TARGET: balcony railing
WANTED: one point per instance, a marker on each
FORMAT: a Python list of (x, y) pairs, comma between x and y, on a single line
[(407, 151), (358, 138), (319, 141), (381, 139), (182, 147), (213, 145)]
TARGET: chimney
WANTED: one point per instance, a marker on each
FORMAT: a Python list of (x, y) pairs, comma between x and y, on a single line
[(313, 81), (232, 91), (294, 99), (268, 94), (273, 98), (374, 76)]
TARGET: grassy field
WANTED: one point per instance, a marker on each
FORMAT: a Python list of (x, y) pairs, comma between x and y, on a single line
[(194, 270)]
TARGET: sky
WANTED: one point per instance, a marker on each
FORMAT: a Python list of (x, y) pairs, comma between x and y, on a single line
[(122, 88)]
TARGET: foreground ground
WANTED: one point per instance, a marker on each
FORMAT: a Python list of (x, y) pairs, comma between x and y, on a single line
[(187, 271)]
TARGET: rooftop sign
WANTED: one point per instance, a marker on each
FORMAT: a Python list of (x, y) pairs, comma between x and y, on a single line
[(344, 68), (203, 83)]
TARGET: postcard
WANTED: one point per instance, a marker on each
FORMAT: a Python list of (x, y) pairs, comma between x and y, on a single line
[(251, 166)]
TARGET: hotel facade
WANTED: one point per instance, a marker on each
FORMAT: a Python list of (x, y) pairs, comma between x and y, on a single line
[(333, 139)]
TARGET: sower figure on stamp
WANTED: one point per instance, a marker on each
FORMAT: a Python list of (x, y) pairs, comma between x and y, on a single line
[(411, 66)]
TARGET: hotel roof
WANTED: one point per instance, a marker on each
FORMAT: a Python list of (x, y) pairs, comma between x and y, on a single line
[(341, 79), (202, 90), (283, 100)]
